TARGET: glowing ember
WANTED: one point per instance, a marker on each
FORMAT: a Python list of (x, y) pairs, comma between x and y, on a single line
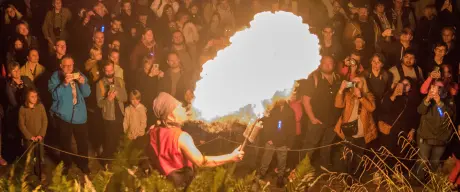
[(262, 60)]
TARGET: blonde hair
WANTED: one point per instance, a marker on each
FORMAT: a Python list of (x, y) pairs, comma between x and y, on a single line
[(135, 94), (93, 51), (103, 7), (18, 14)]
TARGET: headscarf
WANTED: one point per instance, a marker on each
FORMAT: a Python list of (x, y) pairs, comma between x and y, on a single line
[(164, 105)]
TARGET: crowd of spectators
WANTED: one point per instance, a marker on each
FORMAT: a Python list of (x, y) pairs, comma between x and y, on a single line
[(88, 71), (389, 69), (79, 75)]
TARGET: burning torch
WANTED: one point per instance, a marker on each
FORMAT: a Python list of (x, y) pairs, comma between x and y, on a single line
[(251, 132)]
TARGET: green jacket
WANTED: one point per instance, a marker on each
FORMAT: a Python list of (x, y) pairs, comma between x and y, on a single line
[(434, 122), (107, 106), (33, 121)]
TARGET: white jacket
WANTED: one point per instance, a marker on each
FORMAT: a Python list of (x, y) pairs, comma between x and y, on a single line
[(135, 121)]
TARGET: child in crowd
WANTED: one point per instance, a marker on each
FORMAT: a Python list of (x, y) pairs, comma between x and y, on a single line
[(135, 120), (33, 123)]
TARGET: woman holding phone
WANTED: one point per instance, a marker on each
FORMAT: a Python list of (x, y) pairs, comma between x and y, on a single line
[(147, 82), (434, 131)]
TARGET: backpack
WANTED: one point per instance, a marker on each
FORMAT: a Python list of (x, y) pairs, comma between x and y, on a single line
[(417, 73), (315, 77)]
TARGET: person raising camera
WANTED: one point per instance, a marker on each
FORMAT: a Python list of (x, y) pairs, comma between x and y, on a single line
[(351, 66), (434, 131), (442, 73), (356, 124), (69, 89)]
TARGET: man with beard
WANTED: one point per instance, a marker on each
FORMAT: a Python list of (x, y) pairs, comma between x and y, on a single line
[(177, 81), (111, 96), (318, 97), (115, 32), (364, 26), (407, 69), (186, 52)]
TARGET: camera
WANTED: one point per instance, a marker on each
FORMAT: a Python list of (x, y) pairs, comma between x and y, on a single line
[(76, 76), (351, 84), (439, 90), (156, 66), (404, 88), (57, 31), (112, 88), (351, 62)]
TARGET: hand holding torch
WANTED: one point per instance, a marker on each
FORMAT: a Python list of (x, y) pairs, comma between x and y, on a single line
[(251, 133)]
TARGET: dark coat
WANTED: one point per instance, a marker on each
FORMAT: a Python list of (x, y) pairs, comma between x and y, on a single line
[(279, 126), (186, 82)]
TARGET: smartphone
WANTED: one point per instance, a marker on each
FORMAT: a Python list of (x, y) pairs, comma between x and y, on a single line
[(112, 88), (156, 66), (350, 84)]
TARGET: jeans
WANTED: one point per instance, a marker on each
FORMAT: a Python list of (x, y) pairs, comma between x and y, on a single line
[(319, 135), (430, 153), (80, 133), (281, 155)]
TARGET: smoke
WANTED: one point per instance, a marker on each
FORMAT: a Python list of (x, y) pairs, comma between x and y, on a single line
[(262, 60)]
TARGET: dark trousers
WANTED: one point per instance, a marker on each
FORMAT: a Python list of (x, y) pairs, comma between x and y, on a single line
[(113, 130), (391, 143), (319, 135), (80, 133), (353, 159), (294, 156), (95, 131)]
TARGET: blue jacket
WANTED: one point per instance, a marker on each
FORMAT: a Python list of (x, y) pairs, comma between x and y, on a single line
[(62, 105)]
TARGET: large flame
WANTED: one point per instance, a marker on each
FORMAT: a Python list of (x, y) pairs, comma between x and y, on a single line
[(262, 60)]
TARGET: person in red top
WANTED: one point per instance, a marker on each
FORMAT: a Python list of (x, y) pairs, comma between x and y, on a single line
[(174, 152)]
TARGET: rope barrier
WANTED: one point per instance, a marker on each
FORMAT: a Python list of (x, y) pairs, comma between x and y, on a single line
[(27, 150), (400, 158), (324, 146), (235, 142), (306, 149), (105, 159)]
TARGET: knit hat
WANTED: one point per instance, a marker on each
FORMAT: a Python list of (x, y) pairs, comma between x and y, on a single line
[(164, 105)]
